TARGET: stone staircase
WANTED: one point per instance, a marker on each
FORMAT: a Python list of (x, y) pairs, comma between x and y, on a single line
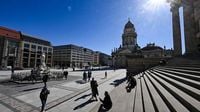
[(160, 89), (165, 89)]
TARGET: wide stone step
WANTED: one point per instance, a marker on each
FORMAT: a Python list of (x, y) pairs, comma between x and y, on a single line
[(193, 92), (147, 98), (122, 100), (187, 81), (192, 72), (189, 76), (138, 104), (185, 68), (172, 103), (160, 104), (189, 102)]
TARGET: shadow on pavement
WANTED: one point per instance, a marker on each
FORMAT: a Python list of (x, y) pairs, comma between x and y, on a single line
[(117, 82), (84, 104), (31, 89), (101, 109), (81, 82), (83, 97)]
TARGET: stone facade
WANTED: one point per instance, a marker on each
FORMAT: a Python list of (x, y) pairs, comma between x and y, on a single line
[(191, 15), (10, 50), (130, 51)]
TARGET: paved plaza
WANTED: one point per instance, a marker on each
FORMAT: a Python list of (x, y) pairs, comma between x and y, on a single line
[(72, 94), (161, 89)]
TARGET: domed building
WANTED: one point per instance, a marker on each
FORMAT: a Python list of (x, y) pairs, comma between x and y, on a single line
[(129, 46), (129, 54)]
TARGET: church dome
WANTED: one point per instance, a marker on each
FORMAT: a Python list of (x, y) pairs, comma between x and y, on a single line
[(129, 25)]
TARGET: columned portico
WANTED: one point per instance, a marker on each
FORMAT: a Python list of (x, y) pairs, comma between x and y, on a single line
[(176, 29), (189, 27)]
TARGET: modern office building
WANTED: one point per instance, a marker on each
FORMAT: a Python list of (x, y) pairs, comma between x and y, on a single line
[(32, 49), (76, 56), (105, 59), (9, 50), (96, 58), (72, 56)]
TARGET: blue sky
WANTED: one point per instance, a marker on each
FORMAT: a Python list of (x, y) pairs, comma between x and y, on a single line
[(95, 24)]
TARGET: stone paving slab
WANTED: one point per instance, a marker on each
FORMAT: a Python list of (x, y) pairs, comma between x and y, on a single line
[(98, 76), (17, 105), (4, 108), (29, 102), (81, 102), (33, 98)]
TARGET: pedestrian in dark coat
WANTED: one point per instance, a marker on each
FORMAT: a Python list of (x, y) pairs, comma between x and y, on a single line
[(105, 74), (89, 75), (43, 97), (94, 89), (84, 76), (65, 74), (44, 79), (106, 102)]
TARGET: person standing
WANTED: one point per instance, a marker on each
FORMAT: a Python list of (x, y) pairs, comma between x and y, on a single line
[(89, 75), (106, 74), (43, 97), (66, 74), (106, 102), (94, 89), (84, 76)]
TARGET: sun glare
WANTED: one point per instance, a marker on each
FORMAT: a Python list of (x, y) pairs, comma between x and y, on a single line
[(154, 5)]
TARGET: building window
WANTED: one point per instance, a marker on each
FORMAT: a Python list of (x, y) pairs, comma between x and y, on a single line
[(44, 49), (26, 46)]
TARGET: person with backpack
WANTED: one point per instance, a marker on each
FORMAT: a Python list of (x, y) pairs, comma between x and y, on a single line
[(43, 97)]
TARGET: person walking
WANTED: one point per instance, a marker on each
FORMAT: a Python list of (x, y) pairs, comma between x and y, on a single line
[(106, 74), (84, 76), (94, 89), (106, 102), (89, 75), (66, 74), (33, 75), (43, 97), (44, 79)]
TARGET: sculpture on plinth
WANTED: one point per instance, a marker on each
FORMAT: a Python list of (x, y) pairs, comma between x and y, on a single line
[(43, 68)]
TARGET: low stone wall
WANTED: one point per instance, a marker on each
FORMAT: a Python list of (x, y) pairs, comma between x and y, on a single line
[(137, 65)]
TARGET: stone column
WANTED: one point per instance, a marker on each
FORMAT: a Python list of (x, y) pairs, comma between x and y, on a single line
[(176, 29), (189, 27)]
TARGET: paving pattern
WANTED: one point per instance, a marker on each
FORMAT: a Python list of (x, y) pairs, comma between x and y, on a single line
[(160, 89)]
